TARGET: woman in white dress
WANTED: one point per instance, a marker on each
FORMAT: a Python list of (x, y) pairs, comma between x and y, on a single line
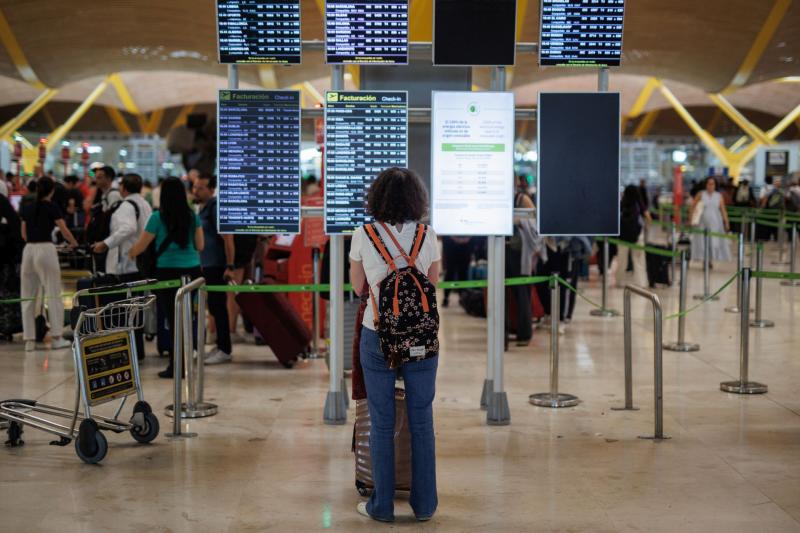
[(714, 217)]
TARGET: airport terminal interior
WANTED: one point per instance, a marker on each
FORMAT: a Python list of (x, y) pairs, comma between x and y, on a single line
[(605, 270)]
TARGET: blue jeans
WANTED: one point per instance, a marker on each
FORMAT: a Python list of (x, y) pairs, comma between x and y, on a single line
[(419, 378)]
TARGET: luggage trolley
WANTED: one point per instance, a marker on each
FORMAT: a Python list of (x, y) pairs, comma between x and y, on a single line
[(107, 368)]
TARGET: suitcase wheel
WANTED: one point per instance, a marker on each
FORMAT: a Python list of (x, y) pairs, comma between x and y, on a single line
[(149, 338), (287, 364), (362, 489)]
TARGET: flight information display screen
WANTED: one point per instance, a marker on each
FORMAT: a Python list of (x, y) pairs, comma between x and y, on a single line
[(259, 161), (474, 32), (365, 133), (581, 33), (252, 31), (366, 31)]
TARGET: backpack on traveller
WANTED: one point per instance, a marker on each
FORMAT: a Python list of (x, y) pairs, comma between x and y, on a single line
[(775, 199), (406, 315)]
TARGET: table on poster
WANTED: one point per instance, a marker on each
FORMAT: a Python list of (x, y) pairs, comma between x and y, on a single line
[(472, 167), (366, 31), (581, 33), (251, 31), (259, 162), (365, 133)]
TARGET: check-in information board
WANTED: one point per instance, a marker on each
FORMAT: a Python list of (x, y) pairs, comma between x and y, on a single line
[(107, 367), (366, 31), (472, 167), (365, 133), (255, 31), (259, 161), (581, 33)]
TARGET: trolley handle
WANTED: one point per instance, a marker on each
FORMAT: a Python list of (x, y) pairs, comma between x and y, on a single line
[(119, 286)]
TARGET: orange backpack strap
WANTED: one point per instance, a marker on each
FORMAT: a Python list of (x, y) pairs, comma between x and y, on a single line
[(403, 253), (422, 231), (378, 243)]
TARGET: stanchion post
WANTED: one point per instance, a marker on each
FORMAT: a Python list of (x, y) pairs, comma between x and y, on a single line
[(497, 410), (781, 241), (739, 266), (752, 240), (743, 385), (758, 321), (554, 398), (681, 345), (604, 310), (792, 259), (195, 406), (315, 305), (674, 246), (488, 383)]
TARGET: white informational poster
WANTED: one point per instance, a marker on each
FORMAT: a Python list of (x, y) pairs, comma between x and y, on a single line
[(472, 163)]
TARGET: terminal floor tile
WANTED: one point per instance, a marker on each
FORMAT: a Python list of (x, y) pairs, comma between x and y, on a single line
[(267, 461)]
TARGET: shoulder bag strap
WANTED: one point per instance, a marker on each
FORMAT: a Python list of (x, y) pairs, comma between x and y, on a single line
[(416, 246), (403, 253)]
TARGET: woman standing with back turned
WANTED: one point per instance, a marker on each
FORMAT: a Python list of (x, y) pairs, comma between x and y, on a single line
[(179, 241), (398, 200), (40, 267)]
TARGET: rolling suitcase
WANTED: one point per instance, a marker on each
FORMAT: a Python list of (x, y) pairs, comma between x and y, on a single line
[(402, 446), (10, 314), (658, 267), (278, 323), (473, 301)]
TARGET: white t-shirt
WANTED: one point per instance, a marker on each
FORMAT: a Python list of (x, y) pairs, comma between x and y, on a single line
[(363, 250)]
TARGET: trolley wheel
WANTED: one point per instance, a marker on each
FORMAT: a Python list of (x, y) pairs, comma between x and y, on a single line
[(14, 433), (91, 445), (149, 338), (148, 432), (362, 489)]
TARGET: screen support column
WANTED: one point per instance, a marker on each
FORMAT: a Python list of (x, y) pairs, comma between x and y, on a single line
[(336, 402), (233, 76), (497, 413)]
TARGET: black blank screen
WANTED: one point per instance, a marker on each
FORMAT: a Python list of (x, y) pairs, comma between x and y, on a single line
[(474, 32), (578, 183)]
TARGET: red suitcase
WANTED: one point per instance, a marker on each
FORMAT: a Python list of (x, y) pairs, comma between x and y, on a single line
[(277, 322)]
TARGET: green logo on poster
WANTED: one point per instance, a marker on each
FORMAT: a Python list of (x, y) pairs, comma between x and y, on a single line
[(225, 96), (473, 108)]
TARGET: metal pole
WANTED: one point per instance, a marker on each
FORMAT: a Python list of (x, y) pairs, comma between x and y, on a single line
[(604, 311), (602, 80), (743, 385), (681, 345), (752, 241), (195, 406), (674, 241), (658, 374), (781, 241), (335, 412), (553, 398), (759, 322), (488, 382), (177, 363), (792, 258), (233, 76), (315, 305), (739, 265), (497, 410)]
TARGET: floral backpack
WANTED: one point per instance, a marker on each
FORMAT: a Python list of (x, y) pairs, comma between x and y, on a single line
[(406, 315)]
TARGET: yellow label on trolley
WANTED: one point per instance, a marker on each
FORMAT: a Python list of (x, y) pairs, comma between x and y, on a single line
[(107, 367)]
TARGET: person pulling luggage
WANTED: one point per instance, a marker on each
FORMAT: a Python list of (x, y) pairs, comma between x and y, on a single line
[(217, 263), (400, 260)]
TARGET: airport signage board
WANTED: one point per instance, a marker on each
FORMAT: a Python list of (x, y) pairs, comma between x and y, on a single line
[(365, 133), (581, 33), (258, 141), (250, 31), (472, 167), (578, 179), (107, 367), (366, 32)]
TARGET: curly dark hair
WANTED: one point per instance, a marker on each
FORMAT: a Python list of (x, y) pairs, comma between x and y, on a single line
[(396, 196)]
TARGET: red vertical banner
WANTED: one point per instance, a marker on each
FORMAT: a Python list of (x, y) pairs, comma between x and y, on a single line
[(677, 194)]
